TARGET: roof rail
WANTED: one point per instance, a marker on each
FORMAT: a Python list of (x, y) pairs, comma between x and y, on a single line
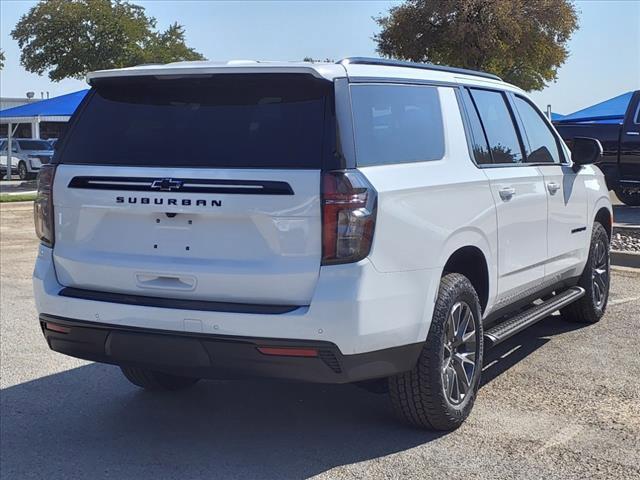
[(424, 66)]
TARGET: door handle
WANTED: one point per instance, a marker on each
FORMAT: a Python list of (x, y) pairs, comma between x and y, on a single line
[(506, 193), (553, 187)]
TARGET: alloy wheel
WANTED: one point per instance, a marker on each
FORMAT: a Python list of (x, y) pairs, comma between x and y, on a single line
[(22, 171), (600, 274), (459, 359)]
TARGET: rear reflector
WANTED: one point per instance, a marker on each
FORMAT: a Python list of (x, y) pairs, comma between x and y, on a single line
[(289, 351), (56, 328)]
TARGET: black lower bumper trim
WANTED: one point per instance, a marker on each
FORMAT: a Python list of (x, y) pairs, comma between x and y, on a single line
[(177, 303), (221, 356)]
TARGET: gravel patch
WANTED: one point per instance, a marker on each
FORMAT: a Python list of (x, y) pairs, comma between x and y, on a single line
[(626, 240)]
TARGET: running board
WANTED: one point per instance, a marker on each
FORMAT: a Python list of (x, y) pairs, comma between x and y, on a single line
[(500, 332)]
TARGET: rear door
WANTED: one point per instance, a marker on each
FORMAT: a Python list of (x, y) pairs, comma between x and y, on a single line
[(566, 192), (199, 187), (630, 145), (518, 192)]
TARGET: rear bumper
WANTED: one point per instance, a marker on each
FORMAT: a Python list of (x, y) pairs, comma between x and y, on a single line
[(217, 356), (354, 307)]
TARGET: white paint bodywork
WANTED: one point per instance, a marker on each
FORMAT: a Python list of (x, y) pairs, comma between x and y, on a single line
[(426, 212)]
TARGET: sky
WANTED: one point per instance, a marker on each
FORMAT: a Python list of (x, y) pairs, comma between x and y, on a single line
[(604, 53)]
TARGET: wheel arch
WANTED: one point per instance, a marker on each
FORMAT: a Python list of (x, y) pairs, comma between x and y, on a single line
[(605, 218), (471, 262)]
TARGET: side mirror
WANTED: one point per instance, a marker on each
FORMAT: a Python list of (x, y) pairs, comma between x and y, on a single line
[(585, 151)]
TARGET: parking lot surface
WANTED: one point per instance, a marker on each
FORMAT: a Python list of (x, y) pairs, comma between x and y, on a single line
[(558, 401)]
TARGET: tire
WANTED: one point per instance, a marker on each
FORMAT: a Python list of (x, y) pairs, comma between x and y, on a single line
[(157, 381), (23, 173), (421, 396), (595, 280), (628, 196)]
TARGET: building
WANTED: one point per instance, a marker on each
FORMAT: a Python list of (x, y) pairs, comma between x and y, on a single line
[(10, 102), (42, 118)]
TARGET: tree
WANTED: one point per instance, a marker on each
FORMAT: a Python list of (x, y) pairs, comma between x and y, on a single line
[(1, 59), (69, 38), (522, 41)]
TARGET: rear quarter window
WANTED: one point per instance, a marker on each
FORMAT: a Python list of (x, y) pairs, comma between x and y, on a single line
[(397, 124)]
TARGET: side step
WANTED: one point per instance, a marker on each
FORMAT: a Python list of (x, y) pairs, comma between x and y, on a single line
[(500, 332)]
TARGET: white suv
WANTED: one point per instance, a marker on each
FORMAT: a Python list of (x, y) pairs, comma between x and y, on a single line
[(367, 221)]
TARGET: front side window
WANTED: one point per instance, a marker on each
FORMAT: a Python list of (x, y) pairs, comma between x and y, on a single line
[(397, 124), (542, 143), (498, 125)]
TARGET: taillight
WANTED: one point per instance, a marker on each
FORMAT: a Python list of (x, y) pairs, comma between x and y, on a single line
[(348, 216), (43, 205)]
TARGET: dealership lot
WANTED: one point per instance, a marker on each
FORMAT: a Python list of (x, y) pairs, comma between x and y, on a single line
[(558, 401)]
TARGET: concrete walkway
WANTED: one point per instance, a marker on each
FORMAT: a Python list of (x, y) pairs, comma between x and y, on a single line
[(12, 187)]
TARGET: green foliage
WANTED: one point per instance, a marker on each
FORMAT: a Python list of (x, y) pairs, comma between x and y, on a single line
[(522, 41), (19, 197), (69, 38), (1, 59)]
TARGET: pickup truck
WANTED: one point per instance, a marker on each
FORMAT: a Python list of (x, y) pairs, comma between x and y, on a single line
[(620, 138)]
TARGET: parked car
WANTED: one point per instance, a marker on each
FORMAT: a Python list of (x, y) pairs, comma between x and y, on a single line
[(372, 222), (4, 161), (28, 156), (621, 143)]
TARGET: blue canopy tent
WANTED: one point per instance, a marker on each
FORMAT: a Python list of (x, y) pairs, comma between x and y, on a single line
[(57, 109), (555, 117), (609, 111)]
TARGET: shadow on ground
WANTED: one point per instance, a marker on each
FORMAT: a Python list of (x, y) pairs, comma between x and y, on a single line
[(89, 422)]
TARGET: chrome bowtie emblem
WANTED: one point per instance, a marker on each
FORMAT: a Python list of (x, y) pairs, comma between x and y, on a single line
[(167, 184)]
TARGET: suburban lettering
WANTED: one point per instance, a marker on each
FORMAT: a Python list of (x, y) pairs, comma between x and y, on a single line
[(186, 202)]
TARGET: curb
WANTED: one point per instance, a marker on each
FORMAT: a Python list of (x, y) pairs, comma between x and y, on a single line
[(625, 259)]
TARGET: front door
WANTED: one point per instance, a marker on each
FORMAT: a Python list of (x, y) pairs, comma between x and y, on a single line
[(565, 191), (568, 224), (630, 145)]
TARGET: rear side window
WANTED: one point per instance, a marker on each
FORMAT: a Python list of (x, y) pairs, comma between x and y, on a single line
[(397, 124), (498, 125), (542, 143), (229, 120)]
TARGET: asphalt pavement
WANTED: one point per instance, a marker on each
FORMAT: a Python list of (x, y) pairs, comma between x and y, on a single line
[(558, 401)]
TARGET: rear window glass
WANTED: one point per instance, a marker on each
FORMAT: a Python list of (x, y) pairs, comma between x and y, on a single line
[(397, 124), (35, 145), (250, 121)]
